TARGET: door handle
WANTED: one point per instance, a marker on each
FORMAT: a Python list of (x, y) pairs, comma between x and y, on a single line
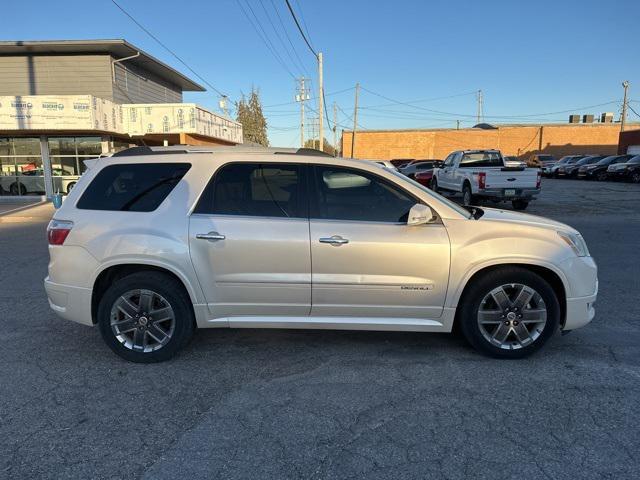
[(335, 240), (210, 236)]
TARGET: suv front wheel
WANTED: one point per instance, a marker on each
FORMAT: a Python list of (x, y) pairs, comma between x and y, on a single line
[(146, 317), (509, 313)]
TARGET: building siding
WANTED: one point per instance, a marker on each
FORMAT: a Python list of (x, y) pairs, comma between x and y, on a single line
[(56, 75), (83, 75), (134, 85), (520, 141)]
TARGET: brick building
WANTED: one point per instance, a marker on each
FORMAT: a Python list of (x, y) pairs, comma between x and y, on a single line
[(518, 140)]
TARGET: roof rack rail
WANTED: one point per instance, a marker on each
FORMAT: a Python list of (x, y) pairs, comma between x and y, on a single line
[(147, 150)]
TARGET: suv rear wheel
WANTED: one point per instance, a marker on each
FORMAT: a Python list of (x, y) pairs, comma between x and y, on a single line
[(146, 317), (509, 313)]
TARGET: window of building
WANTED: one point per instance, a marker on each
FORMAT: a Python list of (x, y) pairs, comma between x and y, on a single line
[(21, 170), (67, 156), (255, 189), (348, 194), (132, 187)]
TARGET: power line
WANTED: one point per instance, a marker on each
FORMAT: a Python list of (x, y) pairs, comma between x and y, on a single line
[(423, 100), (175, 55), (488, 116), (631, 108), (280, 37), (266, 40), (295, 19), (328, 95), (284, 29)]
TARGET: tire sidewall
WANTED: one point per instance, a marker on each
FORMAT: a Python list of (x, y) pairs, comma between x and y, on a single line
[(470, 303), (171, 291), (466, 191)]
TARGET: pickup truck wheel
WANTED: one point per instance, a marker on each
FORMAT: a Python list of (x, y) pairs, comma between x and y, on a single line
[(509, 313), (146, 317), (519, 204), (467, 196)]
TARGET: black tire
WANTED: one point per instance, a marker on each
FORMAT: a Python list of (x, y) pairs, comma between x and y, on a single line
[(601, 176), (467, 196), (172, 291), (70, 187), (635, 177), (434, 185), (481, 286), (520, 204), (13, 189)]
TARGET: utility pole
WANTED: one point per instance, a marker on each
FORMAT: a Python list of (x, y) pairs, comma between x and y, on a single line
[(301, 96), (355, 121), (222, 103), (623, 119), (335, 129), (457, 124), (320, 104), (480, 101)]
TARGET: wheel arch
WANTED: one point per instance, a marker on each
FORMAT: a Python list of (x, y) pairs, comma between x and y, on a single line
[(113, 273), (555, 279)]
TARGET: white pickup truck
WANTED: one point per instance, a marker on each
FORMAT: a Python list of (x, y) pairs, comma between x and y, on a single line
[(484, 174)]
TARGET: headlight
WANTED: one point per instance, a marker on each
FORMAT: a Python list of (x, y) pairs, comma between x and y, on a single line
[(576, 242)]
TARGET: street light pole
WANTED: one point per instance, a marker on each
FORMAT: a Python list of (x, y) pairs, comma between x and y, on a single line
[(320, 105)]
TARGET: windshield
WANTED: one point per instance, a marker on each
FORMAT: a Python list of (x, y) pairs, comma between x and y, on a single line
[(635, 159), (462, 211), (607, 160)]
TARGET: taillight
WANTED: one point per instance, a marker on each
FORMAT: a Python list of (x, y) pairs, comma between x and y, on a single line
[(482, 180), (58, 230), (538, 180)]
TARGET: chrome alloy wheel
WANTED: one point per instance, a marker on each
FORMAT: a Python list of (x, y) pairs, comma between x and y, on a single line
[(512, 316), (142, 320)]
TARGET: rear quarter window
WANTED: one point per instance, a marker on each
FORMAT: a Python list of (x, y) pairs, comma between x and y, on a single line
[(138, 187)]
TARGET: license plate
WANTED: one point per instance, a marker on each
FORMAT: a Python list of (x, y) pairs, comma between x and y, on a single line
[(510, 192)]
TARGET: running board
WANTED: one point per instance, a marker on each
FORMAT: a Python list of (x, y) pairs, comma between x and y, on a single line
[(333, 323)]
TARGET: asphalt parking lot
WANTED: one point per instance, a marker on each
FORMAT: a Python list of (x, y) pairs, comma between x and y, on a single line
[(322, 404)]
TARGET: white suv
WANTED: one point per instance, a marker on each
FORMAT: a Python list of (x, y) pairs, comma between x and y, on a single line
[(150, 247)]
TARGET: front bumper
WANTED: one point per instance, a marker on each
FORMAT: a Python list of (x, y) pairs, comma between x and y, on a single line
[(70, 303), (582, 278)]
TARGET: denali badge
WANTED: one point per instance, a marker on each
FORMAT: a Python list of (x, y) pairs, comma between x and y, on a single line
[(417, 287)]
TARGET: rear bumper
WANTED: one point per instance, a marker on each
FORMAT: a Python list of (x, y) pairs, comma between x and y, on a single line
[(70, 303), (520, 193)]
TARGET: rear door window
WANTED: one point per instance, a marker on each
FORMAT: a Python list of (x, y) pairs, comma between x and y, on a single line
[(140, 187), (257, 190)]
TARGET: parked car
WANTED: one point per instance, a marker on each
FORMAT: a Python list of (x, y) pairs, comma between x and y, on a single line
[(512, 161), (387, 164), (31, 182), (629, 170), (559, 170), (483, 174), (598, 170), (401, 162), (571, 170), (425, 177), (539, 160), (150, 247), (416, 166)]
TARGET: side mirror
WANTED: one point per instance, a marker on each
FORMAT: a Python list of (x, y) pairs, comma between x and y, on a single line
[(420, 214)]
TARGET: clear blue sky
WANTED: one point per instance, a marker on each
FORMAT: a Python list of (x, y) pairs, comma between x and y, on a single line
[(527, 57)]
